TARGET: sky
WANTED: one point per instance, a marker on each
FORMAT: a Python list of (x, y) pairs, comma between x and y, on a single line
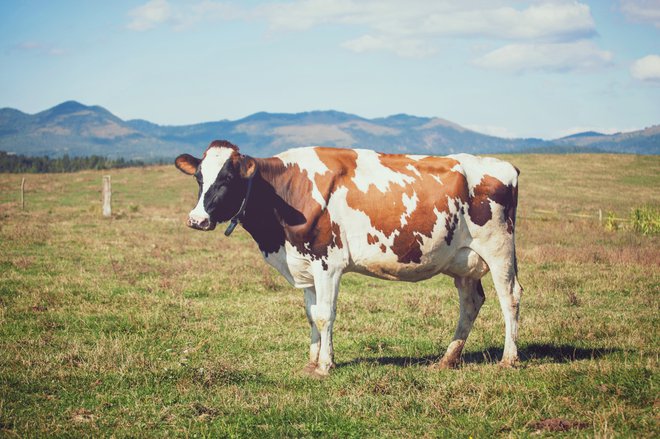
[(510, 68)]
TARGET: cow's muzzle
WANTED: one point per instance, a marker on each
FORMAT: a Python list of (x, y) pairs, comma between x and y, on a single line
[(200, 223)]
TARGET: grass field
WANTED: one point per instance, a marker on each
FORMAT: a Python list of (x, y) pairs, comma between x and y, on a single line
[(137, 326)]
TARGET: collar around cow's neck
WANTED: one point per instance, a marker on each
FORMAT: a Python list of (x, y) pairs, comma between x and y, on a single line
[(236, 218)]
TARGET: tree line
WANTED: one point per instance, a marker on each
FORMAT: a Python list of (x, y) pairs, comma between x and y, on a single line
[(24, 164)]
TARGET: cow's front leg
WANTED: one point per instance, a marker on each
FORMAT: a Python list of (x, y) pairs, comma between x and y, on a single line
[(315, 343), (323, 312)]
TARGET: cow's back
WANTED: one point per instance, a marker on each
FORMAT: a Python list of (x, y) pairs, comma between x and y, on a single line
[(400, 216)]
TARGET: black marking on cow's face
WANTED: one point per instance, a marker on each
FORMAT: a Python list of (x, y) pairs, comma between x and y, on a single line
[(200, 181), (224, 196)]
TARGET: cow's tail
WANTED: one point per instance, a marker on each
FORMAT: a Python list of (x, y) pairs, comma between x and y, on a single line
[(512, 215)]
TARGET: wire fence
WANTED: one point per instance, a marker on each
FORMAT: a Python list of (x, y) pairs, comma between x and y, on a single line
[(541, 214)]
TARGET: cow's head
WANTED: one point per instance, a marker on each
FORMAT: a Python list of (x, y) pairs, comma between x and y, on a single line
[(222, 174)]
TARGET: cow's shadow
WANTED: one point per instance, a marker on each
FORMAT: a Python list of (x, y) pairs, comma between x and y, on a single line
[(532, 352)]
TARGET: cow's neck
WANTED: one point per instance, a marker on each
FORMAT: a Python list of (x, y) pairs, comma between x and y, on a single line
[(266, 211)]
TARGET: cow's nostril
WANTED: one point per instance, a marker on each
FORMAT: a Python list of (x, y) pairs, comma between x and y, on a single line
[(199, 223)]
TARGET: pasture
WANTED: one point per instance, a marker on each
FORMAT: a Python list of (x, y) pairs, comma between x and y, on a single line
[(139, 326)]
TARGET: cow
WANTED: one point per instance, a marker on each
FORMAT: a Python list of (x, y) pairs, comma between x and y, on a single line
[(318, 212)]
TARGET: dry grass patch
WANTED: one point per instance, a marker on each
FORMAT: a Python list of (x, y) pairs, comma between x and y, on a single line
[(137, 326)]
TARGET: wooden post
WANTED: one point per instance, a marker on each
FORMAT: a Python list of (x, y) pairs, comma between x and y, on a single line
[(600, 216), (107, 196), (23, 194)]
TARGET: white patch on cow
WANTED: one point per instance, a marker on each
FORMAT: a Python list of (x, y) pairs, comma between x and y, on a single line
[(278, 261), (212, 163), (307, 160), (413, 169), (295, 267), (411, 204), (436, 178), (369, 170), (474, 168), (416, 157), (363, 257)]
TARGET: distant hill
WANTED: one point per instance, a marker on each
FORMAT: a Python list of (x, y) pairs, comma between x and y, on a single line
[(646, 141), (76, 129)]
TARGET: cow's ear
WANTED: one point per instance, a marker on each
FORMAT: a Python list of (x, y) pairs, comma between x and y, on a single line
[(187, 163), (247, 166)]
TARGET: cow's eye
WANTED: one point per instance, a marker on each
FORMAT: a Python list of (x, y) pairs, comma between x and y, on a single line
[(224, 178)]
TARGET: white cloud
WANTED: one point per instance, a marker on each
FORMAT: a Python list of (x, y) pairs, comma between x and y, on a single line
[(40, 48), (644, 11), (206, 10), (541, 34), (647, 69), (412, 28), (558, 20), (180, 15), (408, 28), (550, 57), (404, 47), (149, 15)]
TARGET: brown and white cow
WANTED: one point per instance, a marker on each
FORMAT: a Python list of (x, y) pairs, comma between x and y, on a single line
[(317, 213)]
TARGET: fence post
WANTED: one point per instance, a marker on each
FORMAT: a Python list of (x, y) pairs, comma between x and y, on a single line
[(600, 216), (23, 194), (107, 196)]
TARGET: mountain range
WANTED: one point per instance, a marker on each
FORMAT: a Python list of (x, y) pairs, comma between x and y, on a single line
[(80, 130)]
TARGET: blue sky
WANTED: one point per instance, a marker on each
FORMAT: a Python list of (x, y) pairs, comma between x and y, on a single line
[(505, 67)]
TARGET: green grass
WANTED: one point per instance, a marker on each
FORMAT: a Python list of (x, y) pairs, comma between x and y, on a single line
[(138, 326)]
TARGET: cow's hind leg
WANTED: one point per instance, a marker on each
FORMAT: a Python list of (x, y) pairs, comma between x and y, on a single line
[(315, 343), (509, 293), (471, 297)]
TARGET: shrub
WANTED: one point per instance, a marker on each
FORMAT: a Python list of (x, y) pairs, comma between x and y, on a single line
[(646, 220), (611, 224)]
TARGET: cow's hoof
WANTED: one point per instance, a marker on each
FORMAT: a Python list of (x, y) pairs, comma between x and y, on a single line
[(309, 368), (509, 363), (318, 370), (320, 374), (313, 370), (445, 364)]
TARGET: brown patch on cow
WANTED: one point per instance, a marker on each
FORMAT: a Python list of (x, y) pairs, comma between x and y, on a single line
[(558, 424), (372, 239), (492, 189), (383, 248), (312, 232), (452, 222), (221, 144), (336, 236), (323, 236), (385, 209)]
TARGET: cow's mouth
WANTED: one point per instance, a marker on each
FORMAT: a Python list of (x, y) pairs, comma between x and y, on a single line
[(205, 224)]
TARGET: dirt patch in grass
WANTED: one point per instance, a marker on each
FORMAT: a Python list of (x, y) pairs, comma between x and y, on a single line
[(557, 424)]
